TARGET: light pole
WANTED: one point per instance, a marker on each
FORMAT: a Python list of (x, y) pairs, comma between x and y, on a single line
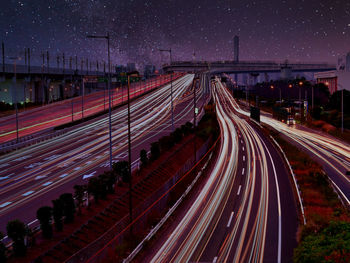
[(130, 74), (15, 93), (342, 108), (300, 84), (109, 95), (171, 87)]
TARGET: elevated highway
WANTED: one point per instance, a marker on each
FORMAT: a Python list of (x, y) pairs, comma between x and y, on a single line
[(231, 67)]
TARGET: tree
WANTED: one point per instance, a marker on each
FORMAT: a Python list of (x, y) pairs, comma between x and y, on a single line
[(16, 230), (68, 207), (44, 215), (57, 213), (330, 245), (143, 157), (94, 188), (155, 151), (3, 249), (79, 192), (177, 134), (122, 170)]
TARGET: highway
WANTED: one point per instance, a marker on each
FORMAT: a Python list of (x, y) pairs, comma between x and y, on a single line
[(331, 153), (245, 211), (33, 176), (58, 113)]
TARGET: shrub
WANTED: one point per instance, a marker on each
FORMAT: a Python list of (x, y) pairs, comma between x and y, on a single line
[(57, 213), (44, 215), (143, 157), (155, 151), (79, 191), (16, 230), (68, 207)]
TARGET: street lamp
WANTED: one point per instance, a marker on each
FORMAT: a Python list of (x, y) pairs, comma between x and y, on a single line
[(109, 95), (300, 85), (15, 93), (342, 108), (130, 74), (171, 87)]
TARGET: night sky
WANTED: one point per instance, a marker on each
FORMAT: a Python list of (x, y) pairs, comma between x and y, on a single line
[(302, 30)]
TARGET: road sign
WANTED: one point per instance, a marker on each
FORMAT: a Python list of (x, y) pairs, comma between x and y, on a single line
[(196, 111)]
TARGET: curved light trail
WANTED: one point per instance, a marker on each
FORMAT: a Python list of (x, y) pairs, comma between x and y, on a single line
[(244, 174)]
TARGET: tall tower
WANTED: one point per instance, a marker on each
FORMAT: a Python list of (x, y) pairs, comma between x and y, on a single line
[(236, 54), (236, 48)]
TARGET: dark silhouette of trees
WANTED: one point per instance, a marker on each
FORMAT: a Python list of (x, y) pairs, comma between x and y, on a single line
[(16, 230), (2, 249), (143, 157), (79, 191), (155, 151), (68, 207), (57, 213), (44, 215)]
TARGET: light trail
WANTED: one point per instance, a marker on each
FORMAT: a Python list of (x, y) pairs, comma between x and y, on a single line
[(72, 157), (245, 240)]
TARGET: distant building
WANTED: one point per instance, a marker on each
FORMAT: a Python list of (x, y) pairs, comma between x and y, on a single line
[(334, 79), (344, 62), (149, 70), (130, 67)]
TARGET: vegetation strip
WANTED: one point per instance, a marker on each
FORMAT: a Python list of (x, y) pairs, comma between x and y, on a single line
[(325, 237)]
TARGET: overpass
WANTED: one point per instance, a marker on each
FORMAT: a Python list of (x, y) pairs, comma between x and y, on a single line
[(235, 67)]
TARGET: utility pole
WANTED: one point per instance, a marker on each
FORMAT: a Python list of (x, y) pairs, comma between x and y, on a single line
[(342, 110), (107, 37), (130, 74), (3, 57), (28, 60)]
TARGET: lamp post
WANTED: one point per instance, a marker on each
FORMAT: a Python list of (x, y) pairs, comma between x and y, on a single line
[(107, 37), (130, 74), (171, 87), (342, 108), (15, 93), (300, 85)]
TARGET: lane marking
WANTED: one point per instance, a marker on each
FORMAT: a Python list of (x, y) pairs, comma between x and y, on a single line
[(215, 259), (28, 193), (243, 158), (243, 171), (89, 175), (47, 183), (239, 190), (229, 221), (243, 148), (3, 178), (77, 168), (40, 177), (5, 204), (63, 175)]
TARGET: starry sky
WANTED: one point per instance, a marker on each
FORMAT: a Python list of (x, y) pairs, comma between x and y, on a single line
[(297, 30)]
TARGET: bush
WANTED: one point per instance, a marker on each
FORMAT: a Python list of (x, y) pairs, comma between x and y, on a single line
[(330, 245), (122, 170), (79, 191), (16, 230), (57, 213), (44, 215), (177, 135), (143, 157), (68, 207), (155, 151), (94, 188), (166, 143)]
